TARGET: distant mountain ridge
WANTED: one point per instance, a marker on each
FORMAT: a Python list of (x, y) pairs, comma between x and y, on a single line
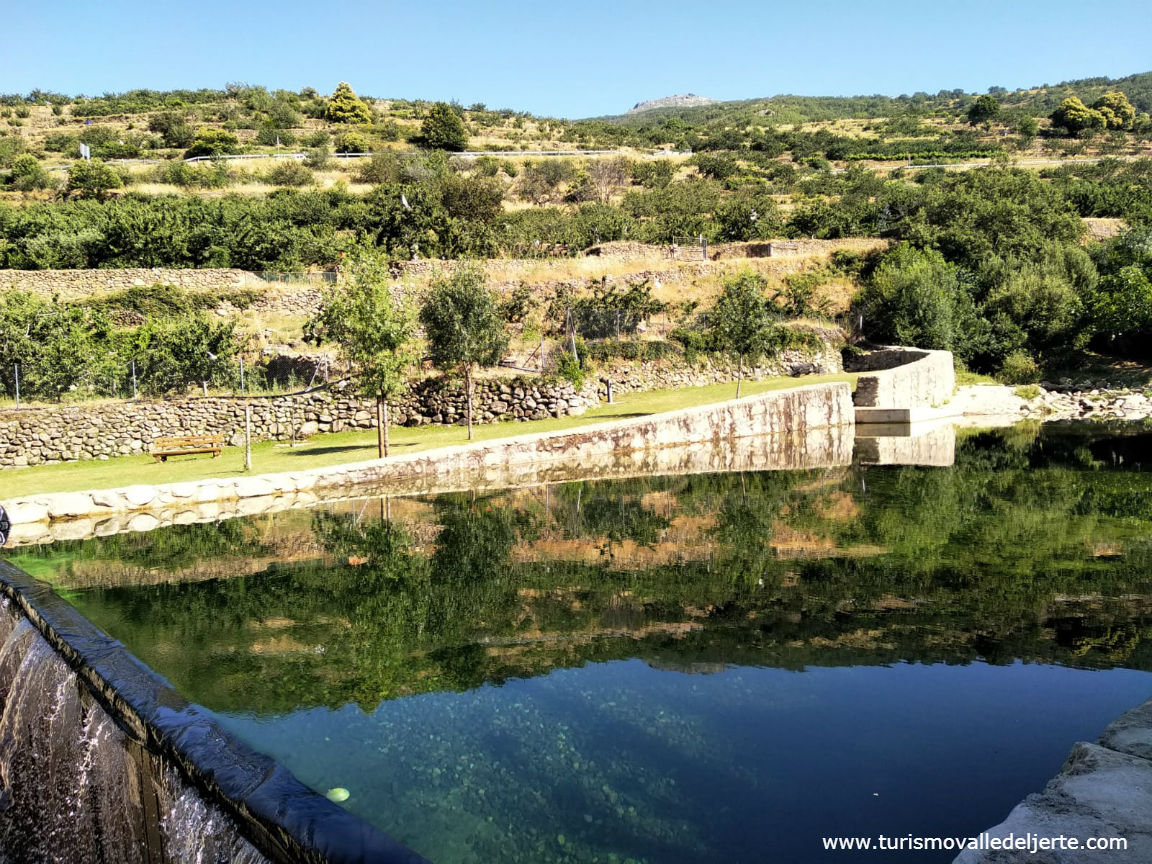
[(685, 100)]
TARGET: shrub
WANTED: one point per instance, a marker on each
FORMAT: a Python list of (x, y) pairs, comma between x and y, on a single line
[(352, 142), (443, 128), (1019, 368), (173, 128), (486, 166), (569, 367), (317, 158), (290, 173), (93, 179), (28, 175), (269, 135), (316, 139), (61, 142), (212, 142), (383, 167)]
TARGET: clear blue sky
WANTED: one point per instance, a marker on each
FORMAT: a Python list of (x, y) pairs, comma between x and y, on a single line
[(570, 59)]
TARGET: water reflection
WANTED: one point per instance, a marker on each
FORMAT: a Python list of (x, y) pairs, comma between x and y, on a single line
[(1034, 545), (606, 670)]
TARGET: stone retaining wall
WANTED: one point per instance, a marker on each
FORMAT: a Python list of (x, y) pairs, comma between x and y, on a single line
[(628, 377), (103, 430), (903, 378), (790, 421), (81, 284)]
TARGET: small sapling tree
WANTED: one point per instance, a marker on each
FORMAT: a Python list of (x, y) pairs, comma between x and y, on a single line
[(464, 327), (741, 321), (373, 328)]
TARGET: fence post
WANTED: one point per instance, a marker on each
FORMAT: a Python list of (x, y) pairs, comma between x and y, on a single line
[(133, 378), (247, 437), (16, 367)]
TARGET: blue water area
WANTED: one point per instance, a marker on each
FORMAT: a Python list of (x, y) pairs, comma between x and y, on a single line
[(712, 668), (620, 761)]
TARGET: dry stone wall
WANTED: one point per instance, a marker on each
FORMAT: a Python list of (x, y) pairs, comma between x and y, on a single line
[(101, 431), (796, 428), (81, 284), (629, 377), (105, 430)]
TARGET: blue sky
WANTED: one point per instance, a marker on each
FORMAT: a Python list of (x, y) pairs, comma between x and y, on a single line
[(571, 59)]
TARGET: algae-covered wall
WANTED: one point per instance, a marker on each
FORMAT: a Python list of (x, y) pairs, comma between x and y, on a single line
[(101, 760)]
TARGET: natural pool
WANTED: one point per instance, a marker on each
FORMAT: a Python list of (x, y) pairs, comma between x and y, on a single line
[(675, 669)]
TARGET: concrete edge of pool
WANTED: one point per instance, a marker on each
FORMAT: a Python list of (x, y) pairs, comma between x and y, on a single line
[(1103, 790), (280, 816), (790, 412)]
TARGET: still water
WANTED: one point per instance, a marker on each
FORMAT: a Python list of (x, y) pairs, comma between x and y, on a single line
[(673, 669)]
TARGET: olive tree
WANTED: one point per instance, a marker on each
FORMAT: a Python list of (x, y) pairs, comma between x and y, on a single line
[(373, 327), (464, 327)]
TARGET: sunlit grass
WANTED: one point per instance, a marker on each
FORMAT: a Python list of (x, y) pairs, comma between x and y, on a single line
[(355, 446)]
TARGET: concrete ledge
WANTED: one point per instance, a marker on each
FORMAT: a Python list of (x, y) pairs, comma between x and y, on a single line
[(903, 378), (1103, 790), (786, 415), (286, 820)]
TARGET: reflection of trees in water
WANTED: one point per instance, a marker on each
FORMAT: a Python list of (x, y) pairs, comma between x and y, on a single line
[(965, 563)]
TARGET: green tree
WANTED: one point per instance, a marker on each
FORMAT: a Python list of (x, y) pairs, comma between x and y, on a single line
[(352, 142), (741, 321), (1117, 111), (28, 175), (173, 128), (443, 128), (1074, 116), (92, 179), (464, 327), (212, 142), (373, 328), (985, 108), (911, 299), (345, 107)]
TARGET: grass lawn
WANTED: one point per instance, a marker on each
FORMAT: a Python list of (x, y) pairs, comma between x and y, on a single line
[(358, 445)]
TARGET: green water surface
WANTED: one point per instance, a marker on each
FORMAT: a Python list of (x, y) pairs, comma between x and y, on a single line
[(674, 669)]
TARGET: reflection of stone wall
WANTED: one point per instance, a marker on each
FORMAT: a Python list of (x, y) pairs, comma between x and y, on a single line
[(784, 429), (903, 378), (882, 445)]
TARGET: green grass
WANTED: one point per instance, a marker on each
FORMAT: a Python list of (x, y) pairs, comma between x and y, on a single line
[(965, 377), (356, 446)]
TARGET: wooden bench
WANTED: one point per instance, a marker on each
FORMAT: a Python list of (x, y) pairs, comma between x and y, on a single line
[(187, 445)]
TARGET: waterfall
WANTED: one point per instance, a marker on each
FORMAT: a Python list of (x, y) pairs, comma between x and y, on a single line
[(75, 789)]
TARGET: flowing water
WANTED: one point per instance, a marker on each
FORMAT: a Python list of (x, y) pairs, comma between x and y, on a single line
[(667, 669), (73, 789)]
